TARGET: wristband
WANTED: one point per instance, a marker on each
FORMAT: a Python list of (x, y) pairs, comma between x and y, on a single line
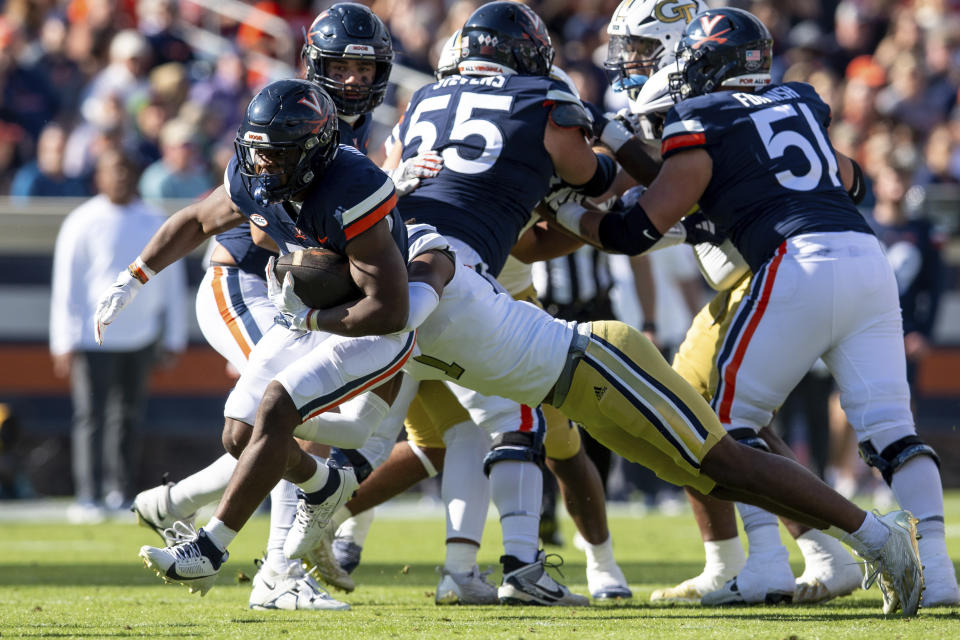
[(139, 270), (568, 216), (615, 135)]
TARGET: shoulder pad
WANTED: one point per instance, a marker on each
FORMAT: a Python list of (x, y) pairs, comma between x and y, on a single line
[(570, 114)]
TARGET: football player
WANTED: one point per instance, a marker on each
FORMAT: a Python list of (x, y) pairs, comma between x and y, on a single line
[(821, 287), (349, 52), (640, 58)]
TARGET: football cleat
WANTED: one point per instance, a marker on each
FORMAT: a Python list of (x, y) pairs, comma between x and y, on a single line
[(347, 553), (765, 579), (465, 588), (312, 519), (691, 590), (321, 561), (153, 510), (194, 562), (608, 584), (290, 591), (897, 567), (531, 584), (826, 582)]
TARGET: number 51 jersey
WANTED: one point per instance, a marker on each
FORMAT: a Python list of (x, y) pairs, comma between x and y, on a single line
[(489, 131), (775, 173)]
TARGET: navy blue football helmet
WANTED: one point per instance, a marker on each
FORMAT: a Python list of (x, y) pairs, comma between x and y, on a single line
[(348, 30), (289, 136), (722, 48), (505, 37)]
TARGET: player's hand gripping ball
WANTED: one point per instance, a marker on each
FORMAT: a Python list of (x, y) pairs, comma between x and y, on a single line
[(321, 278)]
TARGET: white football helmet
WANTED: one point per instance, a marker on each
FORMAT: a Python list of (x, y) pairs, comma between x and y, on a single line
[(643, 38), (449, 57)]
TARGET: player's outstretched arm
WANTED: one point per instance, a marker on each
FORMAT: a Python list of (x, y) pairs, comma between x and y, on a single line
[(179, 235)]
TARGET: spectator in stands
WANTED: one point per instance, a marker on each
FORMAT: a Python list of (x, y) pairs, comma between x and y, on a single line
[(158, 24), (178, 173), (11, 142), (25, 97), (940, 150), (109, 382), (124, 78), (44, 176)]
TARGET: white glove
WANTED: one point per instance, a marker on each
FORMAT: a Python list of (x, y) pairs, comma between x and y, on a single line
[(118, 296), (296, 314), (560, 194), (407, 176)]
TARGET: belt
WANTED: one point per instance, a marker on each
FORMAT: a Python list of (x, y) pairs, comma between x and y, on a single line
[(578, 346)]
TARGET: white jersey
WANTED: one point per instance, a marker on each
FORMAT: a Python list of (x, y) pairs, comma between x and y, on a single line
[(489, 342)]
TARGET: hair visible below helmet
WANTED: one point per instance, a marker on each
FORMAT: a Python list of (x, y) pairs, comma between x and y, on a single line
[(722, 48), (449, 57), (293, 124), (505, 37), (643, 38), (349, 31)]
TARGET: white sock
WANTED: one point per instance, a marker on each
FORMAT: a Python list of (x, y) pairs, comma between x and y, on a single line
[(318, 479), (818, 549), (341, 515), (868, 539), (464, 488), (517, 489), (600, 556), (356, 527), (219, 534), (461, 556), (763, 534), (283, 508), (203, 487), (724, 557)]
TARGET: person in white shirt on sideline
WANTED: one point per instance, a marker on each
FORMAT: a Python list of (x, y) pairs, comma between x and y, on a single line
[(108, 384)]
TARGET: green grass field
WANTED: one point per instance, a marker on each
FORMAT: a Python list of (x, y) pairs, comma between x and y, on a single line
[(64, 581)]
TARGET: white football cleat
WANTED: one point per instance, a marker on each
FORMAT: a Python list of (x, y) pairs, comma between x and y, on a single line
[(290, 591), (194, 562), (765, 579), (691, 590), (322, 561), (897, 567), (312, 519), (609, 584), (153, 510), (465, 588), (822, 583), (531, 584)]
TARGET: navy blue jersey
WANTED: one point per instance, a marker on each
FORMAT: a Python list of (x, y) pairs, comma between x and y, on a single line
[(489, 131), (351, 196), (357, 134), (774, 171), (238, 241)]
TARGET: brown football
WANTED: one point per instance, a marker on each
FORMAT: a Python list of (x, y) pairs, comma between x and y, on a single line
[(321, 278)]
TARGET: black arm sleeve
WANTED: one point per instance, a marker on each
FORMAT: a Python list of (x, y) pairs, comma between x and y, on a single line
[(602, 177), (858, 190), (630, 231)]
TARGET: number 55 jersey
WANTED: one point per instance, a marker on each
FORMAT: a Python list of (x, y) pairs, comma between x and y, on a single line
[(775, 173), (490, 133)]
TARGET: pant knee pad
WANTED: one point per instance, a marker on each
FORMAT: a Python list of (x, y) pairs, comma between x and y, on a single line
[(749, 437), (896, 454), (521, 446)]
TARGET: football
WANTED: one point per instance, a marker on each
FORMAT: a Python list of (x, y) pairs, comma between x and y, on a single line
[(321, 278)]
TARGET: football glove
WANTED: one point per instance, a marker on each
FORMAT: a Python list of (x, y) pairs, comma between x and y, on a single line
[(614, 130), (296, 315), (119, 295), (560, 193), (700, 230), (406, 177)]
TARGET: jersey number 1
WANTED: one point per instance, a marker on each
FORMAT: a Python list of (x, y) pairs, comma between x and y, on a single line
[(777, 144)]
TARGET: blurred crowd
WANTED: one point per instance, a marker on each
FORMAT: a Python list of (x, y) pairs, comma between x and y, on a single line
[(167, 79)]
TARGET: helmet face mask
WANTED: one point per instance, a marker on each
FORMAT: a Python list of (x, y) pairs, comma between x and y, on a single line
[(289, 135), (348, 31), (722, 48), (505, 37), (643, 38)]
